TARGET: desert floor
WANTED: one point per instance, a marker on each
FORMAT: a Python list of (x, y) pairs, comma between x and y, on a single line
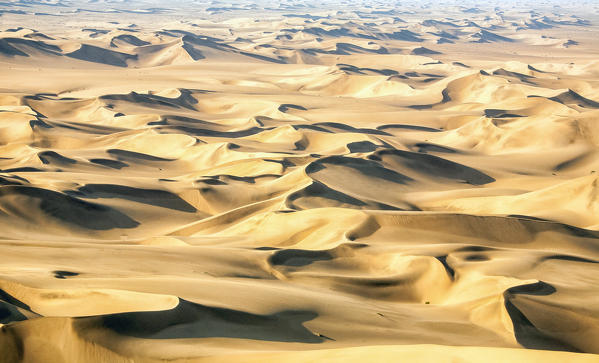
[(299, 182)]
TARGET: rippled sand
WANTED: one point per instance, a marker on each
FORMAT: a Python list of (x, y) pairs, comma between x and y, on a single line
[(295, 182)]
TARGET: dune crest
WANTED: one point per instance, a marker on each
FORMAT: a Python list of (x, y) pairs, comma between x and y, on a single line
[(298, 181)]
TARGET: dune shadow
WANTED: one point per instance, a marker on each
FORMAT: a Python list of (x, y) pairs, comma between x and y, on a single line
[(12, 180), (184, 100), (408, 127), (63, 274), (189, 320), (9, 308), (289, 106), (134, 156), (328, 196), (351, 69), (114, 164), (425, 147), (91, 53), (450, 271), (446, 99), (424, 51), (361, 147), (64, 207), (570, 97), (52, 157), (526, 333), (348, 128), (366, 167), (435, 166), (128, 39), (569, 258), (156, 197), (524, 78), (497, 113), (14, 47), (297, 257), (195, 131)]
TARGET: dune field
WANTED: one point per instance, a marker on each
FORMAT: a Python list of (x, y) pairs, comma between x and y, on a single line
[(299, 181)]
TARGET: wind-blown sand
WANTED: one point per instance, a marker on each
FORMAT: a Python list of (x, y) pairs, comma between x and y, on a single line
[(299, 181)]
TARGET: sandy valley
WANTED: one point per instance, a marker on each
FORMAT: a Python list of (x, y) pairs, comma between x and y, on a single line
[(299, 181)]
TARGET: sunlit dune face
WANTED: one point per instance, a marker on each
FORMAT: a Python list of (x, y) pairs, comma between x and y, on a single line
[(298, 181)]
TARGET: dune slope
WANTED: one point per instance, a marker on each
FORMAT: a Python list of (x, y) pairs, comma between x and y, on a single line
[(203, 182)]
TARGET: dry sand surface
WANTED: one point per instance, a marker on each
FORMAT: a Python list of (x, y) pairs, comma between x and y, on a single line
[(299, 181)]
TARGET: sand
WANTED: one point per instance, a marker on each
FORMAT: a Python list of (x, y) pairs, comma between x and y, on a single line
[(299, 182)]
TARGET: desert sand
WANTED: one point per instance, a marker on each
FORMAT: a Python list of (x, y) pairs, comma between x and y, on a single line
[(299, 181)]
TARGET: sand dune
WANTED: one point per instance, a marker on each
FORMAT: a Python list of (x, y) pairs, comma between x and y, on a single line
[(299, 181)]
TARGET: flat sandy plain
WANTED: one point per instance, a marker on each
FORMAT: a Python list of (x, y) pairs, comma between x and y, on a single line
[(299, 181)]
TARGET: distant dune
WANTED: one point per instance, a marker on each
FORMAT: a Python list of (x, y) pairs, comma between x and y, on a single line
[(299, 182)]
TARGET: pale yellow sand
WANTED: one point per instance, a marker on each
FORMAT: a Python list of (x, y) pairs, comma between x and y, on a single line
[(329, 184)]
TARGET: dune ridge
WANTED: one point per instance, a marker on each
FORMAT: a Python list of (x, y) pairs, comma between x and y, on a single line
[(299, 181)]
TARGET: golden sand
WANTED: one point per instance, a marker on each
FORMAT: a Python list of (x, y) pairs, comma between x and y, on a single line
[(299, 182)]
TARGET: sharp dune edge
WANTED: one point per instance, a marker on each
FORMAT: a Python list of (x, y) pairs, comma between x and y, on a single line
[(299, 181)]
